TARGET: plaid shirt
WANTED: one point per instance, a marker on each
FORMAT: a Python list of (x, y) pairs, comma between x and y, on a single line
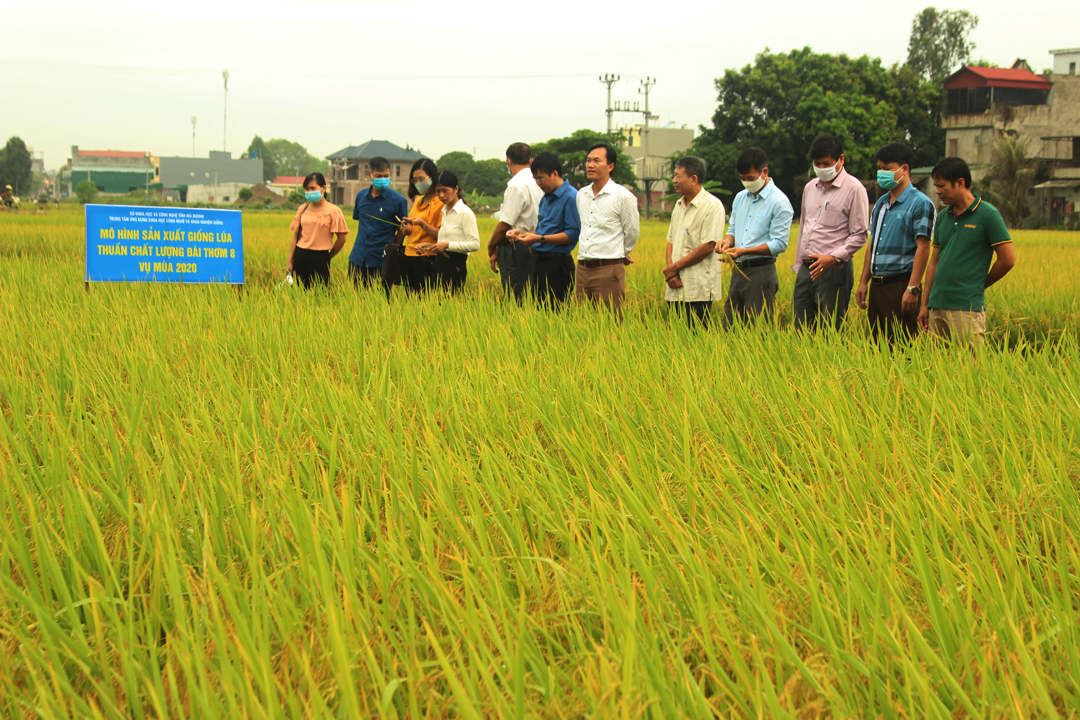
[(894, 229)]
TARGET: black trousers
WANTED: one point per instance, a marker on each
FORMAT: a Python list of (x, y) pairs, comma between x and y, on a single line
[(366, 275), (816, 303), (451, 269), (417, 272), (552, 279), (311, 266), (697, 312), (515, 268)]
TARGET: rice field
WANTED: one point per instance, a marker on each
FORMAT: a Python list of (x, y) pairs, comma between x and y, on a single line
[(282, 504)]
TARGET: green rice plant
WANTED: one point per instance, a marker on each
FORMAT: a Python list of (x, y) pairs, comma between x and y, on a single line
[(324, 504)]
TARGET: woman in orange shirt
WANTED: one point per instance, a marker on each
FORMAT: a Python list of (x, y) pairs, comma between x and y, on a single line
[(421, 226), (314, 228)]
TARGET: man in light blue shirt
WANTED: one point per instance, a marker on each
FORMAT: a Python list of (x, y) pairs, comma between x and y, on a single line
[(758, 232)]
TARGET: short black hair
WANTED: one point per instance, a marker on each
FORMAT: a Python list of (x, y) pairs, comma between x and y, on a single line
[(519, 153), (895, 152), (952, 169), (612, 154), (826, 146), (378, 164), (752, 158), (428, 166), (693, 165), (547, 163)]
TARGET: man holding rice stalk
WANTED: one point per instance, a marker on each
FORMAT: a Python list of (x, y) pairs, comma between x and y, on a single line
[(519, 211), (557, 230), (832, 228), (893, 268), (376, 211), (758, 231), (697, 226), (966, 238)]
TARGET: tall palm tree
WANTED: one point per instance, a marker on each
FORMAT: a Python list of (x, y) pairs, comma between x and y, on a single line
[(1011, 175)]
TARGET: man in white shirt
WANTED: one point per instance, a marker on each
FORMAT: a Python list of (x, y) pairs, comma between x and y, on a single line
[(521, 203), (692, 272), (609, 231)]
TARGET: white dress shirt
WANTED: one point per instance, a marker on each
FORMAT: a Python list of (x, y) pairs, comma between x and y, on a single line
[(609, 222), (521, 202), (459, 228)]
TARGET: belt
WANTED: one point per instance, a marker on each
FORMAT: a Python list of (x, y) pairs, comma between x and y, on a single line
[(549, 254), (601, 263), (889, 279), (810, 261), (756, 262)]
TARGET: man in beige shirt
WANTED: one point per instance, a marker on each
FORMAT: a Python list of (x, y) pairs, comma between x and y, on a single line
[(697, 225)]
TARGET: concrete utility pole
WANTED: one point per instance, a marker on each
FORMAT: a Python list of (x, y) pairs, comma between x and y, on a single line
[(225, 110), (193, 121), (646, 85), (609, 80)]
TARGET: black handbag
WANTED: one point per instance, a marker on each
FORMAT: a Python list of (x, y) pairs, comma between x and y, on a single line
[(393, 255)]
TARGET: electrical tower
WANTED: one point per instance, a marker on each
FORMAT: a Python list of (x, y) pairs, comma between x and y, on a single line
[(609, 80), (647, 175)]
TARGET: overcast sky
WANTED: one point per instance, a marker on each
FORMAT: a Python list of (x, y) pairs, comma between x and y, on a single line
[(438, 76)]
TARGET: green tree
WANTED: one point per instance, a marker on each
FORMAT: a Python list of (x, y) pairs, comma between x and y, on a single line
[(86, 191), (246, 194), (488, 177), (784, 100), (1012, 174), (16, 168), (939, 42), (462, 165), (293, 158), (270, 169), (573, 149)]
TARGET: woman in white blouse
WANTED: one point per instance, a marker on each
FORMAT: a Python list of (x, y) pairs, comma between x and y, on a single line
[(456, 237)]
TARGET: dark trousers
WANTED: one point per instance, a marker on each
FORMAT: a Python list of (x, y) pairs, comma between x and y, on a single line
[(697, 313), (825, 300), (366, 275), (311, 266), (752, 296), (417, 272), (885, 313), (552, 279), (515, 268), (451, 269)]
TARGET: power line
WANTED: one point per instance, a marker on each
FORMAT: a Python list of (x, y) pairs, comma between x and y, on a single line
[(181, 72)]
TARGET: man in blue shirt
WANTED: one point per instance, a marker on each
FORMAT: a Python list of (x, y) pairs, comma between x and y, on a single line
[(372, 235), (759, 230), (556, 235), (900, 228)]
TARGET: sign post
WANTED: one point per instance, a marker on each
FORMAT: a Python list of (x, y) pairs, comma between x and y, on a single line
[(126, 243)]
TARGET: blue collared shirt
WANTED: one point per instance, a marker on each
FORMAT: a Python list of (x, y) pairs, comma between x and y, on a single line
[(759, 219), (894, 228), (372, 235), (558, 214)]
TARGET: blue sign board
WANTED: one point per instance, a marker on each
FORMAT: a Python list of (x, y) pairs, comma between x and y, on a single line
[(126, 243)]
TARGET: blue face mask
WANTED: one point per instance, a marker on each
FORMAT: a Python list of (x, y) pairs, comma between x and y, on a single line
[(380, 183), (313, 196), (886, 179)]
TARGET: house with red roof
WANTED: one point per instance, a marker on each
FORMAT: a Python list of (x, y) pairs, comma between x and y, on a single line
[(983, 104)]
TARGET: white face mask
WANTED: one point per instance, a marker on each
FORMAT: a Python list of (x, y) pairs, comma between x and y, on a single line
[(755, 186), (828, 174)]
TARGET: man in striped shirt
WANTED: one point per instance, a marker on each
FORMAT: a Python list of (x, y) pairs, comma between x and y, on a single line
[(900, 228)]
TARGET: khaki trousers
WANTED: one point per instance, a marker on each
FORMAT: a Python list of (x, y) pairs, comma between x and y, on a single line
[(605, 285), (967, 326)]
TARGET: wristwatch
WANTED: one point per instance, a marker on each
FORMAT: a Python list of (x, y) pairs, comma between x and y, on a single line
[(914, 290)]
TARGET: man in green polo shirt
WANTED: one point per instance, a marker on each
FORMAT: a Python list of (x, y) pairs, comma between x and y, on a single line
[(966, 239)]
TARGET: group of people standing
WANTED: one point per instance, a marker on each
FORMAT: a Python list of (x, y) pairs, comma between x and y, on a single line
[(922, 271)]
